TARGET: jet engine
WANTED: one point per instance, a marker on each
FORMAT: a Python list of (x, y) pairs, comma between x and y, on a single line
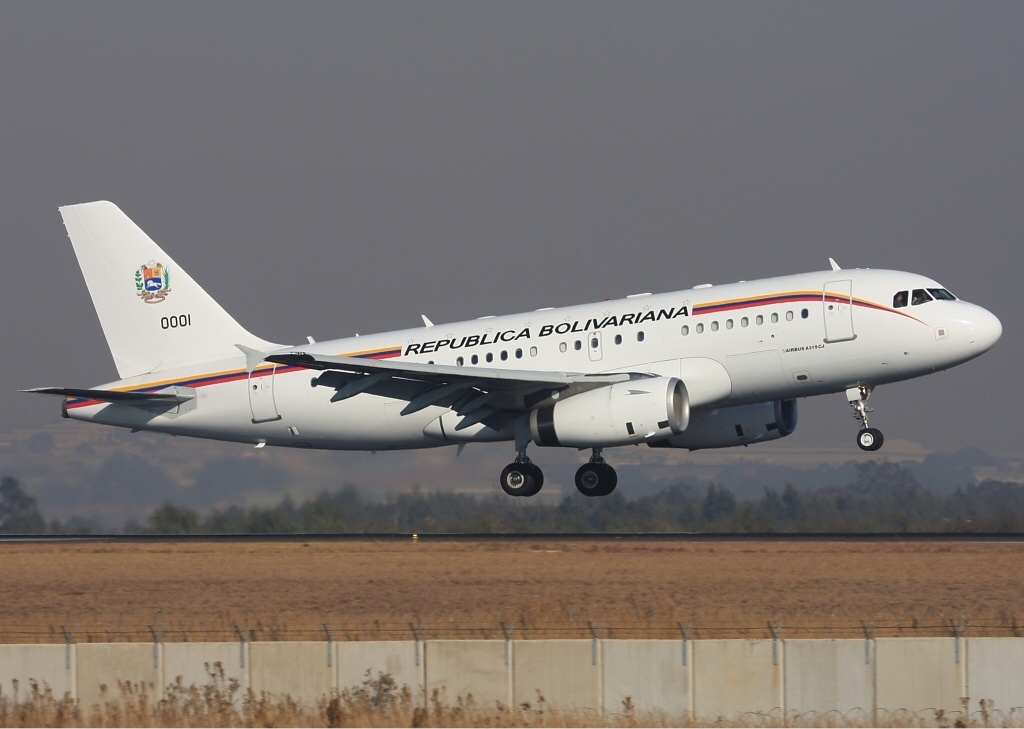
[(619, 414), (733, 426)]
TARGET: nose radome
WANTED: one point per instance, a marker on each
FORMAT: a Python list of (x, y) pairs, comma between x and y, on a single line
[(987, 329)]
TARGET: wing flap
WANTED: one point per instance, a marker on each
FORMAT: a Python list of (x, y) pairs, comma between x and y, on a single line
[(463, 389)]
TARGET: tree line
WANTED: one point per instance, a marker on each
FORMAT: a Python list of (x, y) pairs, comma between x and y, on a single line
[(884, 497)]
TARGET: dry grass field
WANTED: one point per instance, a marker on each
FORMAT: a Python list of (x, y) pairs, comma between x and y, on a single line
[(367, 590)]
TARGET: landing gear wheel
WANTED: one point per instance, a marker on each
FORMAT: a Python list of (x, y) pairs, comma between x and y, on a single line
[(596, 479), (538, 480), (870, 439), (521, 479)]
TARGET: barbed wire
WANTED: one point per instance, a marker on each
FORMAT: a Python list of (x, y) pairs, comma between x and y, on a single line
[(827, 620)]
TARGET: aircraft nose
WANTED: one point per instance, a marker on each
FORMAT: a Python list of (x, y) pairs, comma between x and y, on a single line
[(986, 330)]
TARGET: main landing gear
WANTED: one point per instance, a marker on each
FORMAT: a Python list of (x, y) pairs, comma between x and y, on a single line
[(869, 439), (523, 478), (596, 478)]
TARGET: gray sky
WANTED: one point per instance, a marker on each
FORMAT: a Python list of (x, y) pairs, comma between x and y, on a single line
[(332, 168)]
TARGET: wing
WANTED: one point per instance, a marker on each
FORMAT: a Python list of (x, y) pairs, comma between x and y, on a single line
[(479, 394)]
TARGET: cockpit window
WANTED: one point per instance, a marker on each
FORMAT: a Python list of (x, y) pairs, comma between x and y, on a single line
[(920, 297), (942, 294), (899, 300)]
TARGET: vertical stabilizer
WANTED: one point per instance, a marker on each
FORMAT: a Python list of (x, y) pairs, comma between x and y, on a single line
[(154, 316)]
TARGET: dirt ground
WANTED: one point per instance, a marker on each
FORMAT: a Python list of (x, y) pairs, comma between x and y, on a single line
[(367, 590)]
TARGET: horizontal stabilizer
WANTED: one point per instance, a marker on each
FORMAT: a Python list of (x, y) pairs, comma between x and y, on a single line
[(116, 396)]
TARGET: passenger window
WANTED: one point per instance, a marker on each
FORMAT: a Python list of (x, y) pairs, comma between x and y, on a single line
[(519, 354), (728, 323), (899, 300), (533, 351), (775, 318), (639, 336), (700, 329), (744, 322), (789, 316), (459, 361), (804, 313), (714, 326), (594, 343), (490, 356), (504, 355), (759, 320), (920, 297), (475, 359), (562, 347), (685, 330), (577, 345), (618, 339)]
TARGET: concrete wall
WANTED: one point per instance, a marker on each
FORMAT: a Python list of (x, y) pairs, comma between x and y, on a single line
[(298, 670), (469, 668), (720, 678), (830, 675), (358, 661), (107, 664), (650, 674), (734, 677), (919, 675), (995, 673), (46, 664), (200, 664), (565, 673)]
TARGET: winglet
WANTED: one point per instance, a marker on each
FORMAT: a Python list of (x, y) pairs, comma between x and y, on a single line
[(835, 266)]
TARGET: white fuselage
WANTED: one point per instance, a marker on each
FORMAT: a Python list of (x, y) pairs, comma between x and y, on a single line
[(778, 338)]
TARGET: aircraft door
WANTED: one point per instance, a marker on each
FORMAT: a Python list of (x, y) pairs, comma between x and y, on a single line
[(261, 396), (837, 301), (594, 346)]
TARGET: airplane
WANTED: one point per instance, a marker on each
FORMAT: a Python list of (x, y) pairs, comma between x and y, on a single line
[(707, 367)]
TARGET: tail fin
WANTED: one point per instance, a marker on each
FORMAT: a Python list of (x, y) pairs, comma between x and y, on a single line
[(154, 316)]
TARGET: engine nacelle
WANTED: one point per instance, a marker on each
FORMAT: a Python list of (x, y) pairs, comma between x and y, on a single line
[(619, 414), (733, 426)]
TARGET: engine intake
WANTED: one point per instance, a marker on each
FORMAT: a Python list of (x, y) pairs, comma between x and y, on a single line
[(619, 414)]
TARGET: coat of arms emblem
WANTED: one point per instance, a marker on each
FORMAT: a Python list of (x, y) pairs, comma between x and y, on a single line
[(153, 282)]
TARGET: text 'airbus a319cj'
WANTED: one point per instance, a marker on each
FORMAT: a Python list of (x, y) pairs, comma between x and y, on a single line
[(707, 367)]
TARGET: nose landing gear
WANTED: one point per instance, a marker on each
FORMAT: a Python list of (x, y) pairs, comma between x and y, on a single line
[(868, 439)]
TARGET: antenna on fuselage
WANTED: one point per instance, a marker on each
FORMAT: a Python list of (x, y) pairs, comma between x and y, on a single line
[(835, 266)]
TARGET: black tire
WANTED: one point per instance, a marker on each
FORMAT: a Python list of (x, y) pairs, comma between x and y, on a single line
[(538, 479), (596, 479), (870, 439), (610, 479), (517, 479)]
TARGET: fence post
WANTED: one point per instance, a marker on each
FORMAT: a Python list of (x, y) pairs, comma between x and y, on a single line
[(508, 630), (69, 640), (330, 643), (775, 630), (417, 632), (869, 633), (595, 631), (241, 645), (157, 637), (685, 630), (958, 631)]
